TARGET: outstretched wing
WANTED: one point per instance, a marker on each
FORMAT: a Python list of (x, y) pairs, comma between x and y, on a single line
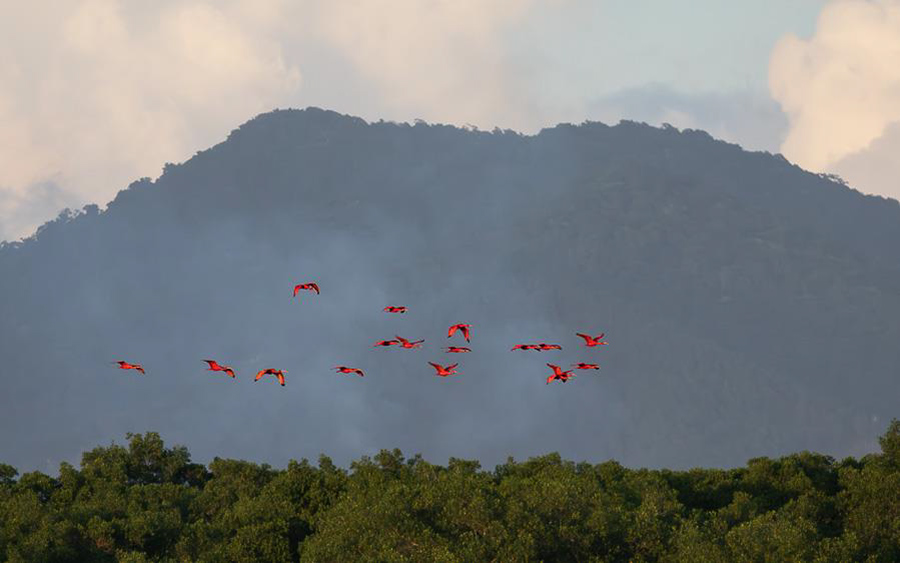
[(465, 331), (587, 337), (280, 377), (315, 287)]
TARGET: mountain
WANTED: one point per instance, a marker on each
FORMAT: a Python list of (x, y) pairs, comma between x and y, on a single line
[(751, 307)]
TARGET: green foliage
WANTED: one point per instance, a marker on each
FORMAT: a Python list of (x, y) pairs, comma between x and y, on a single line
[(149, 502)]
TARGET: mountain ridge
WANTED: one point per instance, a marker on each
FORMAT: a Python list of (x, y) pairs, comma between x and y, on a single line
[(734, 281)]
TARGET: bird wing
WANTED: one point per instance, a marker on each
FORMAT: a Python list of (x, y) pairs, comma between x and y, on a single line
[(280, 377), (587, 337)]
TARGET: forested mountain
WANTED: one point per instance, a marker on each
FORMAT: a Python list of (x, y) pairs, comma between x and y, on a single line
[(751, 308), (149, 502)]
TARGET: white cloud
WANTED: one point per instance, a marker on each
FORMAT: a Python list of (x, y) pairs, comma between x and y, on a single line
[(841, 88), (439, 60), (875, 169), (98, 93)]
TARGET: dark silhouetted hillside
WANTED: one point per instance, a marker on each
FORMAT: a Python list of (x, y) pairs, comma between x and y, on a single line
[(751, 307)]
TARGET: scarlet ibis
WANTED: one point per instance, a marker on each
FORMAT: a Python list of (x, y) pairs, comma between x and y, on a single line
[(525, 347), (544, 346), (444, 371), (310, 286), (386, 343), (214, 366), (464, 328), (559, 374), (279, 373), (407, 344), (591, 341), (457, 349), (345, 369), (582, 365), (126, 365), (390, 309)]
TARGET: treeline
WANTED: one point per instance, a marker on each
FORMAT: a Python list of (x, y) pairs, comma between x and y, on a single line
[(148, 502)]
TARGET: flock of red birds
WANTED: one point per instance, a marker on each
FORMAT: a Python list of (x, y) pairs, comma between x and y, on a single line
[(441, 371)]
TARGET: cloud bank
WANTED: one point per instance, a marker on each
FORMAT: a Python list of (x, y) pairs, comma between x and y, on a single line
[(97, 93), (841, 92)]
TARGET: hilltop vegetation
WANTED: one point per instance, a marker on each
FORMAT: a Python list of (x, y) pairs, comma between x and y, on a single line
[(147, 502)]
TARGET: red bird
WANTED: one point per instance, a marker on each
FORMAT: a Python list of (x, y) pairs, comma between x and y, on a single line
[(544, 346), (386, 343), (395, 309), (214, 366), (525, 347), (310, 286), (407, 344), (464, 328), (591, 341), (559, 374), (126, 365), (582, 365), (444, 371), (457, 349), (279, 373), (345, 369)]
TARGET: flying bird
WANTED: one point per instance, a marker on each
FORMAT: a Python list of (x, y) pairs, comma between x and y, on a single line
[(214, 366), (386, 343), (544, 346), (126, 365), (279, 373), (559, 374), (582, 365), (310, 286), (457, 349), (444, 371), (345, 369), (390, 309), (464, 328), (407, 344), (591, 341), (525, 347)]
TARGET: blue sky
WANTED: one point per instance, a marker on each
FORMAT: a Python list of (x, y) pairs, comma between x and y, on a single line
[(703, 45)]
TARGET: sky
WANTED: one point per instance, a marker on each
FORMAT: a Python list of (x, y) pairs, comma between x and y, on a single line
[(95, 94)]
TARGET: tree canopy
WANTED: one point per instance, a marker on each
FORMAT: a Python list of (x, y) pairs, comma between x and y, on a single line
[(149, 502)]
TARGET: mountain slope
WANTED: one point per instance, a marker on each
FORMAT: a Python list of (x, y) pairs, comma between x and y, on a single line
[(751, 307)]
